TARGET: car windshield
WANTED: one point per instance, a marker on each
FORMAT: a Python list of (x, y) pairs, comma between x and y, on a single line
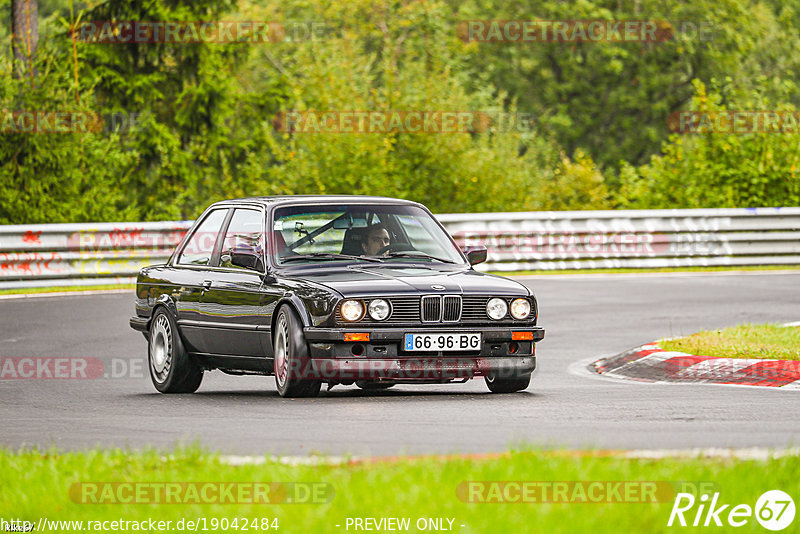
[(360, 233)]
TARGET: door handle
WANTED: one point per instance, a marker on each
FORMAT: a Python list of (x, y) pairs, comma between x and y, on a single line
[(206, 284)]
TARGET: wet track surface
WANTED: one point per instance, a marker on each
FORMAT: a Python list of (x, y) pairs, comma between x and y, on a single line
[(585, 317)]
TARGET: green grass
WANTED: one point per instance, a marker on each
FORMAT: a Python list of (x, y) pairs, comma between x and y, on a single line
[(27, 291), (38, 485), (699, 269), (768, 341)]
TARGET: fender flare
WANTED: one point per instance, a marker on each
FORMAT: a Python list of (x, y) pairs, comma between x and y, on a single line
[(165, 301), (296, 303)]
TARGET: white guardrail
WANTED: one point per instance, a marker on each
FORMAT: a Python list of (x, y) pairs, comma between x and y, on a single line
[(44, 255)]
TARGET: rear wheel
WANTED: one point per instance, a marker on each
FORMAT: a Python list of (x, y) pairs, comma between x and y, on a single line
[(293, 376), (171, 368), (507, 385)]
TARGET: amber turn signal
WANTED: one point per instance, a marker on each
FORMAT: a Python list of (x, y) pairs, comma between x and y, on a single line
[(356, 337), (522, 336)]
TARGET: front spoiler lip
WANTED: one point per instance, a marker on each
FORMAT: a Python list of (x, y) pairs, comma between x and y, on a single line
[(395, 334), (425, 368), (139, 323)]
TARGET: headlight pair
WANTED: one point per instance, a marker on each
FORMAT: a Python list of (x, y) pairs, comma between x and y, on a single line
[(354, 310), (497, 308)]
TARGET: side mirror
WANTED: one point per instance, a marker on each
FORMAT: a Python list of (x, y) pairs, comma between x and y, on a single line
[(247, 259), (475, 254)]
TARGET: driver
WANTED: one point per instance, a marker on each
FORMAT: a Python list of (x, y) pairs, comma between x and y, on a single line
[(377, 237)]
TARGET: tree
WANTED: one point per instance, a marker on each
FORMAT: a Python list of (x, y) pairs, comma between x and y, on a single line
[(612, 99), (718, 168), (24, 35)]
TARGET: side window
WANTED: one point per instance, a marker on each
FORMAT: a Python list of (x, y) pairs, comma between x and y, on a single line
[(200, 246), (245, 232)]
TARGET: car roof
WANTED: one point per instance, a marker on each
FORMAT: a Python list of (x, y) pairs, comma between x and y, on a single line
[(316, 199)]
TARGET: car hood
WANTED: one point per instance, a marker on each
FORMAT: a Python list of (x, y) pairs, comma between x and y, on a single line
[(363, 281)]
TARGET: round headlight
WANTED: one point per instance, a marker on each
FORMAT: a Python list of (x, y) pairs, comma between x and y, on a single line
[(352, 310), (520, 308), (496, 308), (379, 309)]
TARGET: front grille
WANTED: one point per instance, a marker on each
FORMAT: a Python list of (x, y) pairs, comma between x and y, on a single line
[(474, 309), (451, 308), (444, 309), (404, 310), (431, 309)]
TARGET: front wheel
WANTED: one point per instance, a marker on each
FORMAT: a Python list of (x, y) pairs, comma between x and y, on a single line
[(507, 385), (293, 376), (171, 368)]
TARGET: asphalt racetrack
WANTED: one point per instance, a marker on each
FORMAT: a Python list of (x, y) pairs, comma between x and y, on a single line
[(585, 317)]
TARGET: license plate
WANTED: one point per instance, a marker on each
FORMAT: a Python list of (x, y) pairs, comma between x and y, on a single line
[(445, 341)]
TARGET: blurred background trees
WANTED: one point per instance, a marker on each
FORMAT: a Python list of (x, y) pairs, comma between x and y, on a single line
[(199, 120)]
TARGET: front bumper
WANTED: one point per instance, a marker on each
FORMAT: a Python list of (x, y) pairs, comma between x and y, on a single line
[(383, 357), (420, 369)]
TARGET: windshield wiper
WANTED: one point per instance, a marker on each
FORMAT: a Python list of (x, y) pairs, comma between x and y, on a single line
[(328, 256), (415, 254)]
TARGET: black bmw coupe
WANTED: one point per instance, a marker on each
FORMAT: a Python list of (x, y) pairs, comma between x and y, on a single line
[(334, 290)]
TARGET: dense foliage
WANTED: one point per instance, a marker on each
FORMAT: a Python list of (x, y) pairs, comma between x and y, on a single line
[(190, 123)]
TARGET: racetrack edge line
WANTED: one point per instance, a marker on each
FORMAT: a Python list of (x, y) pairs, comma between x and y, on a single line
[(582, 369)]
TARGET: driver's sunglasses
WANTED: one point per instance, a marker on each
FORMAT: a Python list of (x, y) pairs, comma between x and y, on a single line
[(384, 240)]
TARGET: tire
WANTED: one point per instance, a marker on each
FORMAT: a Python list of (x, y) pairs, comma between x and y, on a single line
[(507, 385), (171, 368), (292, 365), (369, 385)]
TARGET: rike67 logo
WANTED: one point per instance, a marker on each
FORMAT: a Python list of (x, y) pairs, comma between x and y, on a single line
[(774, 510)]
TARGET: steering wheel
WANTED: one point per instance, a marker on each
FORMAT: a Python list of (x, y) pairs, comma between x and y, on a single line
[(388, 248), (394, 247)]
